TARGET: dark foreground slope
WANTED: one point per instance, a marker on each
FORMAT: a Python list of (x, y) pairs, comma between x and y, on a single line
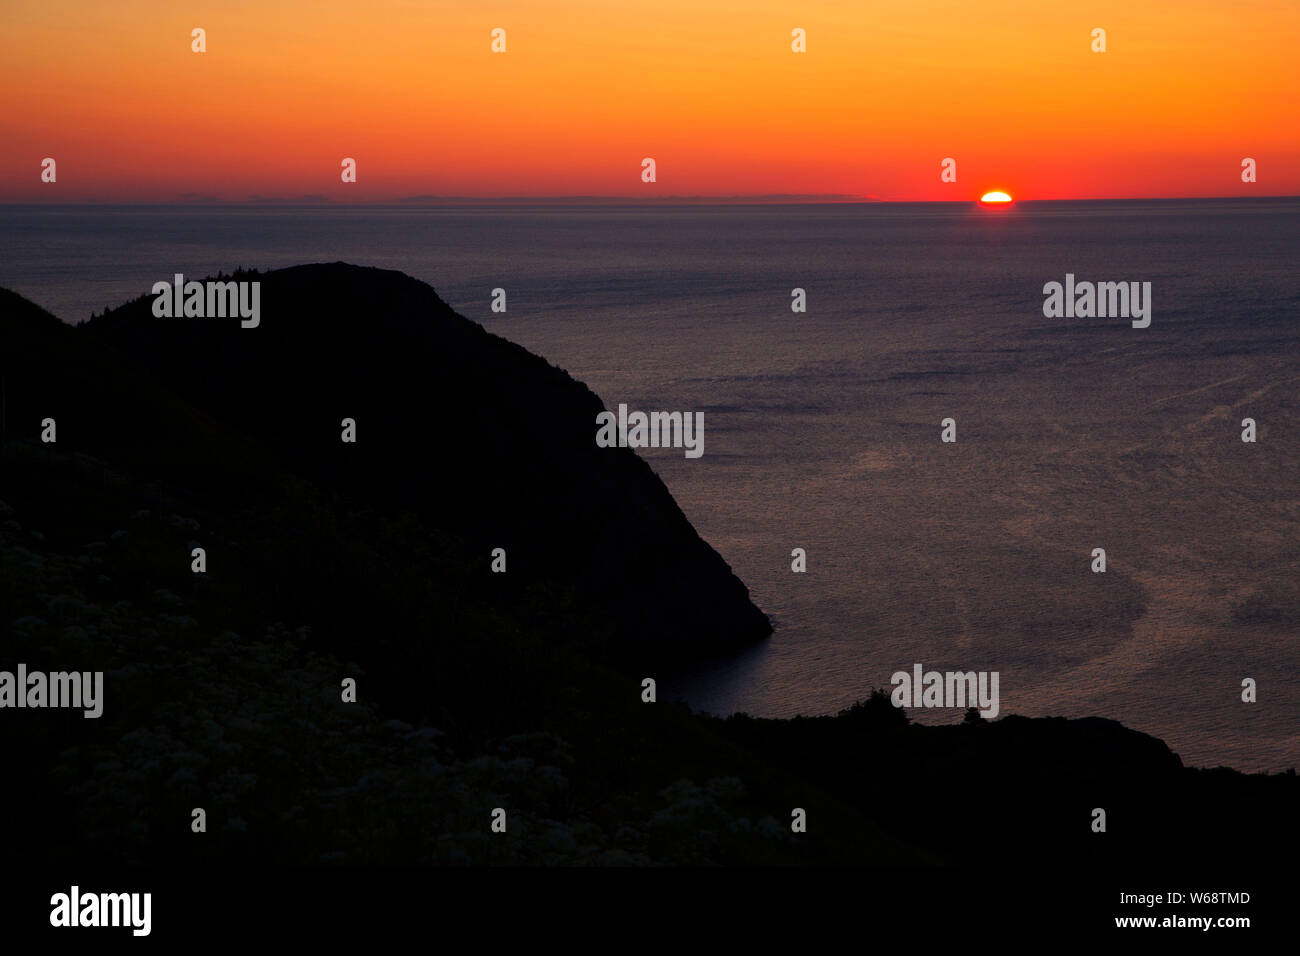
[(475, 690)]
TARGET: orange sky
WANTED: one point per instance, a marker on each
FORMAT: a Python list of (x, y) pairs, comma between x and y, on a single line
[(587, 88)]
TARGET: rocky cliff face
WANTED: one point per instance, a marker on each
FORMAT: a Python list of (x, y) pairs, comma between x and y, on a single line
[(476, 437)]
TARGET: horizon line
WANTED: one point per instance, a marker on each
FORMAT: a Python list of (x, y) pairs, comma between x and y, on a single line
[(760, 199)]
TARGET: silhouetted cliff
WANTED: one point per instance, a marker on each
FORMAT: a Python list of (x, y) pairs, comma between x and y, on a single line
[(473, 432)]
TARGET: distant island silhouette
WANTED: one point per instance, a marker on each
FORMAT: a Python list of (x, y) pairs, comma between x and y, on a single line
[(328, 560)]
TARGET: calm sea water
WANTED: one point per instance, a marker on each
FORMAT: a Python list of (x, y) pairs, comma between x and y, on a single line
[(822, 429)]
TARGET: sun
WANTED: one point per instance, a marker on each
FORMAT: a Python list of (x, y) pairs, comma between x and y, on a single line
[(995, 197)]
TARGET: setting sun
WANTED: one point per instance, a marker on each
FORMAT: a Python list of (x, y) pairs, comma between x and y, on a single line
[(995, 197)]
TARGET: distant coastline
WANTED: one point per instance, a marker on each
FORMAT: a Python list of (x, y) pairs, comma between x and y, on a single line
[(830, 199)]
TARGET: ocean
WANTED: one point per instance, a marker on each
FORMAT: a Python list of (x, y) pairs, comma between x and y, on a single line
[(822, 428)]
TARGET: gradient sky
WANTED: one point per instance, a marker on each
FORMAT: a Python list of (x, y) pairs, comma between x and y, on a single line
[(587, 88)]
